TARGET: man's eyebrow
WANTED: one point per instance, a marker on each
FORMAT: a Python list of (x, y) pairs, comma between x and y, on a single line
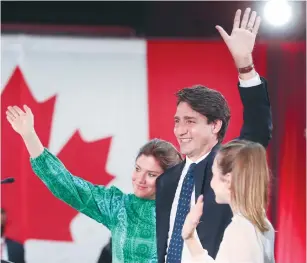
[(186, 117)]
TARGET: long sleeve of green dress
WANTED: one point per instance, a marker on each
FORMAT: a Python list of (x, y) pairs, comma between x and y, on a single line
[(130, 219)]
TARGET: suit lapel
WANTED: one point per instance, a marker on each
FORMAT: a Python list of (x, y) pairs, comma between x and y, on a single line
[(200, 175), (169, 184), (201, 171)]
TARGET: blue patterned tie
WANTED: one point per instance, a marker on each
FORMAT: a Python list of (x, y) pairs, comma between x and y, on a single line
[(184, 204)]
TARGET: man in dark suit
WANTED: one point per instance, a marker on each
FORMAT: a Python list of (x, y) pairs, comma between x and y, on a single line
[(106, 253), (11, 250), (201, 121)]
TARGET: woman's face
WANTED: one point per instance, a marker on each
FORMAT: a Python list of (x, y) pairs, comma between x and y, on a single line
[(146, 171)]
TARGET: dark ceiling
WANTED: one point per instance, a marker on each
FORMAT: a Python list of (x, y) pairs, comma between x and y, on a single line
[(144, 19)]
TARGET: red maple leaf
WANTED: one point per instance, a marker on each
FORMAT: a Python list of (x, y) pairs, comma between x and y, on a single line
[(32, 211)]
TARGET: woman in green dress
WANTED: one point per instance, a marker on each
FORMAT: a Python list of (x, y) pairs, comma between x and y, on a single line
[(130, 217)]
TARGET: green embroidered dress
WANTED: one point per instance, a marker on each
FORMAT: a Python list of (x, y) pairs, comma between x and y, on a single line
[(130, 219)]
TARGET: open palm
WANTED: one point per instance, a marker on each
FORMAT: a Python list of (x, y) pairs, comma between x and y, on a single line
[(242, 39), (22, 121), (192, 219)]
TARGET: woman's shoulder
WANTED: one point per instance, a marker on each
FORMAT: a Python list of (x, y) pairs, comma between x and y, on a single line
[(240, 225)]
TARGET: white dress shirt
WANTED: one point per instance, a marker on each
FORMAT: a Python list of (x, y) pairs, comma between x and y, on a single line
[(242, 243), (185, 253), (255, 81), (4, 253)]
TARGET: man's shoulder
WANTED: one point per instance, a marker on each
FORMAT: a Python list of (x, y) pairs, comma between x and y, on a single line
[(211, 156), (172, 170), (175, 168)]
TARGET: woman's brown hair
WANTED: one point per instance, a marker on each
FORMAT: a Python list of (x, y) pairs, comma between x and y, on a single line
[(164, 152)]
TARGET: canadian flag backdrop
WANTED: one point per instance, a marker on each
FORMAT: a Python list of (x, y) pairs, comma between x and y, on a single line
[(95, 102)]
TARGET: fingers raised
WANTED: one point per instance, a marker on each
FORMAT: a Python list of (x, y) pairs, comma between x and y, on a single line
[(27, 109), (10, 117), (13, 112), (18, 110), (245, 18), (199, 208), (257, 25), (252, 19), (236, 22), (200, 199), (223, 33)]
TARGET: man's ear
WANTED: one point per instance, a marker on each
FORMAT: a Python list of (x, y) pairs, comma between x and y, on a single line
[(216, 126)]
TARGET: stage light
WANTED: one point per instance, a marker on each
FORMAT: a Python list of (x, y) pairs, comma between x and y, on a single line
[(277, 12)]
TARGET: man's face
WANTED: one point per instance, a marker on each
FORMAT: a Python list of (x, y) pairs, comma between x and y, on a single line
[(192, 131)]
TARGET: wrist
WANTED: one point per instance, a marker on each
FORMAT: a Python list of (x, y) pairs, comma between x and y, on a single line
[(194, 247), (248, 75), (245, 67), (243, 61), (188, 238), (28, 135)]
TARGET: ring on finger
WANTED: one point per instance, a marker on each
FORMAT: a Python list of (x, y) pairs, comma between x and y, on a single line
[(250, 29)]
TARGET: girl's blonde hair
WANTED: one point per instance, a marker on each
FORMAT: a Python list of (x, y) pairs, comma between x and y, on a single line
[(247, 163)]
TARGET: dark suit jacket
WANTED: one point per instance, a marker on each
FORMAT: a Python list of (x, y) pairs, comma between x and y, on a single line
[(257, 127), (15, 251), (106, 254)]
